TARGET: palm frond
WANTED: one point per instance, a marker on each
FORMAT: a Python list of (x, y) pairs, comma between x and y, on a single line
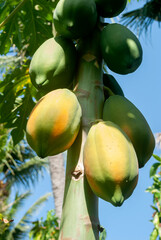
[(11, 209), (142, 19), (18, 164), (21, 229), (28, 172)]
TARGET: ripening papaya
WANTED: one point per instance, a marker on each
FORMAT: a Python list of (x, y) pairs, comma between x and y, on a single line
[(110, 8), (110, 163), (122, 112), (121, 49), (54, 123), (53, 65), (111, 86), (75, 19)]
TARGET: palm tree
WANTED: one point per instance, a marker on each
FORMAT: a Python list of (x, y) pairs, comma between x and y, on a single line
[(21, 229), (143, 18), (18, 166)]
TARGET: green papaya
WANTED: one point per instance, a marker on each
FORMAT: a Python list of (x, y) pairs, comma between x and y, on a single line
[(54, 123), (122, 112), (75, 19), (121, 50), (110, 163), (111, 86), (53, 65), (110, 8)]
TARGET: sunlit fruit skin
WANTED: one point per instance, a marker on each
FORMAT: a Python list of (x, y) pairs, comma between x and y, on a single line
[(110, 8), (53, 65), (54, 123), (121, 111), (121, 49), (75, 19), (111, 86), (110, 162)]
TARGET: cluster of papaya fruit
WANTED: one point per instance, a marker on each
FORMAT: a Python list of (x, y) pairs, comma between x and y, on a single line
[(122, 141), (116, 148)]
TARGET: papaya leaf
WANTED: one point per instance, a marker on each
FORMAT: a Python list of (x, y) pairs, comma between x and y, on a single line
[(16, 100), (30, 26), (7, 100), (22, 113), (154, 169), (17, 135)]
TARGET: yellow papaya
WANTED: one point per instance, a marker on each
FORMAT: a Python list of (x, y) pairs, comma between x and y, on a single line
[(54, 123), (120, 49), (110, 163), (53, 65), (75, 19), (122, 112)]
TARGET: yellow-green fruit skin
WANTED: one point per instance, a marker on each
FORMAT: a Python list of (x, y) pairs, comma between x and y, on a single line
[(54, 123), (121, 111), (110, 162), (53, 65), (121, 50), (75, 19)]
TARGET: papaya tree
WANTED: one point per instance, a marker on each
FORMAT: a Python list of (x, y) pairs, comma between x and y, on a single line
[(103, 160), (66, 70)]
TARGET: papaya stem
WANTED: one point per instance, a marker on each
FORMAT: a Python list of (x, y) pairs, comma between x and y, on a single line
[(110, 93), (80, 208), (12, 13)]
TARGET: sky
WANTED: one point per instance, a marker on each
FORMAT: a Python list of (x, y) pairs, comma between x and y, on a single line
[(143, 89)]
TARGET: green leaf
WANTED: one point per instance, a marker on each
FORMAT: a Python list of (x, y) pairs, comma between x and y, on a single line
[(103, 234), (28, 172), (153, 207), (141, 19), (16, 101), (157, 158), (22, 227), (47, 229), (13, 207), (29, 26), (154, 169), (154, 234), (22, 113)]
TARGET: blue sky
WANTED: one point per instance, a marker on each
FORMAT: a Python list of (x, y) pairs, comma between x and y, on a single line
[(142, 88)]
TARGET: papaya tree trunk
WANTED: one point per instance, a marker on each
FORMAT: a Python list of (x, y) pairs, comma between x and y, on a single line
[(57, 173), (80, 207)]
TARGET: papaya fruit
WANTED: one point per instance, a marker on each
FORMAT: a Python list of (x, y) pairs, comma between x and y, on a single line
[(54, 123), (110, 8), (121, 50), (75, 19), (122, 112), (111, 86), (53, 65), (110, 163)]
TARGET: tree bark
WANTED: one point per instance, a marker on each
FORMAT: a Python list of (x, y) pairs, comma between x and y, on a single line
[(57, 173)]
